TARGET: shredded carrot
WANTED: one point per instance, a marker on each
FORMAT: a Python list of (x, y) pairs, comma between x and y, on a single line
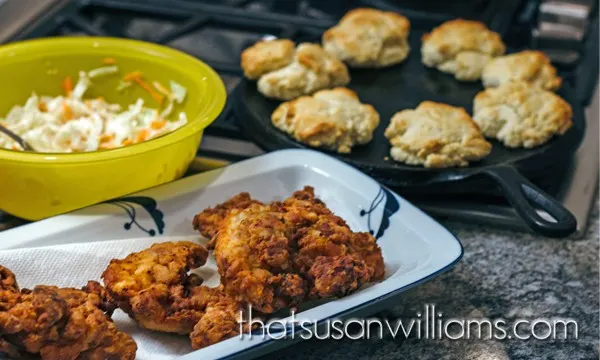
[(105, 141), (126, 142), (105, 146), (15, 147), (136, 76), (132, 75), (109, 61), (144, 85), (141, 136), (42, 106), (106, 138), (68, 113), (158, 124), (99, 98), (67, 85)]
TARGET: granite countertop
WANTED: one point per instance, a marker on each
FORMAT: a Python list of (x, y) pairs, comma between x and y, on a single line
[(503, 274)]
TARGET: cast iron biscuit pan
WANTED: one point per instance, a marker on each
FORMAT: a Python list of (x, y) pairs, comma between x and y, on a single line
[(405, 86)]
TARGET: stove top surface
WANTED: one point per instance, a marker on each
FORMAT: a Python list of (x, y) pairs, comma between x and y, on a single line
[(333, 9), (217, 31)]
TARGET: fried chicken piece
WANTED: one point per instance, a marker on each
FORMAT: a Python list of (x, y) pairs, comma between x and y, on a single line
[(8, 280), (32, 320), (322, 233), (154, 288), (221, 317), (209, 221), (58, 323), (325, 242), (147, 285), (86, 328), (276, 255), (337, 276), (117, 345), (107, 303), (254, 257)]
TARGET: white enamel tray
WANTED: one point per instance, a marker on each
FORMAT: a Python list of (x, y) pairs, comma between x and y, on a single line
[(415, 247)]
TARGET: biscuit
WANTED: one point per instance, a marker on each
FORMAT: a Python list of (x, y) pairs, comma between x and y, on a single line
[(313, 69), (461, 47), (435, 135), (331, 119), (285, 77), (519, 114), (530, 66), (369, 38), (266, 56)]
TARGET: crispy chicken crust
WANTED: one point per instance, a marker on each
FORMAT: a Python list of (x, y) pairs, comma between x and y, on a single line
[(8, 280), (59, 323), (209, 221), (276, 255), (254, 257), (149, 285), (153, 286)]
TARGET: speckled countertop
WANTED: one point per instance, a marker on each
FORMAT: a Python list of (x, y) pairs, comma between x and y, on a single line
[(503, 274)]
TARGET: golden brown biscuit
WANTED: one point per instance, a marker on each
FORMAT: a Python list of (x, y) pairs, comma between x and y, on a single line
[(266, 56), (521, 115), (369, 38), (311, 70), (436, 135), (332, 119), (530, 66), (461, 47)]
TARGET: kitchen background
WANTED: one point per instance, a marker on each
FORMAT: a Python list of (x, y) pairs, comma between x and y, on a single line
[(503, 273)]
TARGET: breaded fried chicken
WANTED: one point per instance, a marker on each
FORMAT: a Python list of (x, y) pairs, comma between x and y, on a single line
[(117, 346), (149, 284), (319, 232), (276, 255), (220, 320), (153, 286), (211, 218), (59, 323), (8, 280), (254, 257)]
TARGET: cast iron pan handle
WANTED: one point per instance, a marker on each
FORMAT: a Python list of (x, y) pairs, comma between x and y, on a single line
[(521, 193)]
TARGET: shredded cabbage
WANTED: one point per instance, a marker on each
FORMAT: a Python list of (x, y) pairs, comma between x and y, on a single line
[(71, 124), (176, 95), (178, 91), (106, 70)]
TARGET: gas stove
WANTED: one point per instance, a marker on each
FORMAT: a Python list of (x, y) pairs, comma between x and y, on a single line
[(217, 31)]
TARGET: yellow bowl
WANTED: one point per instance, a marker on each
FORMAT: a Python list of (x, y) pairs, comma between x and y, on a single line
[(38, 185)]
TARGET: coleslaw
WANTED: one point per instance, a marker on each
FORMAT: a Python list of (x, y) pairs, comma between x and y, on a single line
[(70, 123)]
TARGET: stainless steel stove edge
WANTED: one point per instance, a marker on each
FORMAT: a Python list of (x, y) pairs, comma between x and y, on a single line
[(15, 15), (580, 191)]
